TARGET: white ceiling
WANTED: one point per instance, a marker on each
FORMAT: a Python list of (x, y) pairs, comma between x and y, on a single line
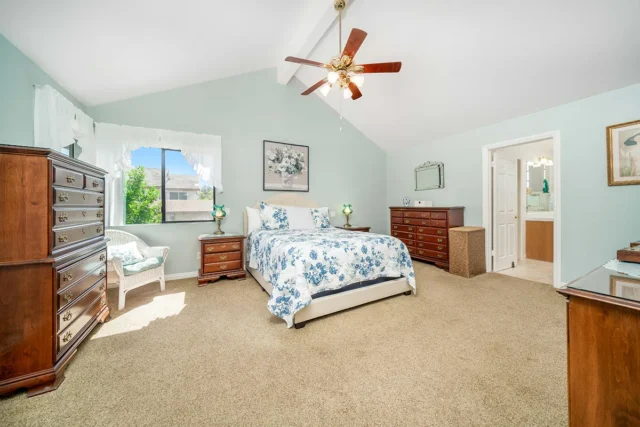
[(466, 63)]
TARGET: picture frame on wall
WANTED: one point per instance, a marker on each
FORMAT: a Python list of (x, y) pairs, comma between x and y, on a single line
[(623, 153), (285, 167)]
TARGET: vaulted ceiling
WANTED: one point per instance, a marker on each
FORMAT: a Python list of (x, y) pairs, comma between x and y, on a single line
[(466, 63)]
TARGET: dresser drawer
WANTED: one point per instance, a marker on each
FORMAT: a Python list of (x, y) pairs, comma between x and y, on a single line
[(439, 223), (414, 221), (403, 235), (411, 249), (417, 215), (408, 242), (433, 239), (406, 228), (222, 266), (221, 257), (77, 233), (69, 335), (432, 231), (396, 220), (67, 197), (70, 293), (442, 247), (211, 248), (70, 275), (438, 215), (69, 314), (396, 214), (432, 254), (67, 178), (64, 216), (94, 184)]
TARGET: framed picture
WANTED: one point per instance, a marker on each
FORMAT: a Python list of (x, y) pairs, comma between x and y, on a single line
[(624, 287), (285, 167), (623, 153)]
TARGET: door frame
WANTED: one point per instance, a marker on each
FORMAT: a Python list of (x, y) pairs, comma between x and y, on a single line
[(487, 208)]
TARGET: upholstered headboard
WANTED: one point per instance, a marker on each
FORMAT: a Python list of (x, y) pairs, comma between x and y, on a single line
[(282, 199)]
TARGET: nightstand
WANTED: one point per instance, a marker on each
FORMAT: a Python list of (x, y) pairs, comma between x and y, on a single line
[(221, 255), (362, 228)]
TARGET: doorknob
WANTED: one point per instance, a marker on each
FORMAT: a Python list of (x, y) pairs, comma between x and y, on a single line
[(516, 217)]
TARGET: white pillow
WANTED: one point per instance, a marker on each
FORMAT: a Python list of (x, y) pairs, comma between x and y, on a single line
[(128, 253), (253, 220), (299, 218)]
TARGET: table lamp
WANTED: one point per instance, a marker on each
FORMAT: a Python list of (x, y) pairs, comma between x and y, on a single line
[(346, 209), (218, 215)]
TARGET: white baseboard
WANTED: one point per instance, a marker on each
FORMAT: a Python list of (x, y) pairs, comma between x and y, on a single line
[(178, 276)]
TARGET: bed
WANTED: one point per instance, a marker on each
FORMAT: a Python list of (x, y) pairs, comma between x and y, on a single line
[(312, 273)]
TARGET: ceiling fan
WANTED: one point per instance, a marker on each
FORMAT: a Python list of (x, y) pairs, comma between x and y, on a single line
[(342, 70)]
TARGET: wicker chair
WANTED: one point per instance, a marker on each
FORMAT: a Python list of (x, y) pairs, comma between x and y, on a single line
[(127, 283)]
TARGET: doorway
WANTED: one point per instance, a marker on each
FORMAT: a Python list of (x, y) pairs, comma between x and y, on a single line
[(521, 207)]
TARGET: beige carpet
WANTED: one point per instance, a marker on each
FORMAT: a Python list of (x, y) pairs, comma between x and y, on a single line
[(488, 351)]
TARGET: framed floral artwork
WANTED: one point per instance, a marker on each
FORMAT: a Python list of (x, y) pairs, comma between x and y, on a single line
[(285, 167), (623, 153)]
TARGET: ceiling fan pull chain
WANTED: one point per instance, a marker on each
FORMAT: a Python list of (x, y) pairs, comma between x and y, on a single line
[(339, 33)]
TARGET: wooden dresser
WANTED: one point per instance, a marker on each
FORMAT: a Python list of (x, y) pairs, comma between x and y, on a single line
[(603, 349), (425, 231), (221, 255), (52, 264)]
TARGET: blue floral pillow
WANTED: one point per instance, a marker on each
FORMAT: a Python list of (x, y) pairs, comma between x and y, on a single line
[(321, 217), (273, 217)]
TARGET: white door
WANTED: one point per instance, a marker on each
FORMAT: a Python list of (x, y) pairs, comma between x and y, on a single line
[(505, 213)]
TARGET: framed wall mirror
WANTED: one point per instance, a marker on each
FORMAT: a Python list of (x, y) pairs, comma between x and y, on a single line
[(429, 176)]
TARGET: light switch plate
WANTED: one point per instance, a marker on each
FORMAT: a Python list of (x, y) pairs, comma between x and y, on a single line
[(198, 256)]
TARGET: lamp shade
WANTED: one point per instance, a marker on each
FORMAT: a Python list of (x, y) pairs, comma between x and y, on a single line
[(347, 210), (218, 211)]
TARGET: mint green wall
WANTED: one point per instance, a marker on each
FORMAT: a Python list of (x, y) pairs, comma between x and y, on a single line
[(596, 219), (18, 74), (344, 166)]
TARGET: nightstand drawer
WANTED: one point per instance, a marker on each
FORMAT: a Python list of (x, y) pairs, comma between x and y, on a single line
[(212, 248), (222, 266), (222, 257)]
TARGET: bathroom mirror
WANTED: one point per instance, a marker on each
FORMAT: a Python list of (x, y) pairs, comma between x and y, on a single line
[(429, 176), (539, 188)]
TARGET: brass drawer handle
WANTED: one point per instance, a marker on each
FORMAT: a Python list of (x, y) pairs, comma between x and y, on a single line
[(99, 230), (68, 276), (102, 257), (406, 221), (439, 255), (424, 222), (439, 248), (236, 247), (395, 234), (95, 183), (102, 303), (71, 179), (99, 199), (410, 228), (84, 197), (63, 217), (67, 298), (411, 236), (67, 316), (209, 249), (101, 287), (67, 337), (63, 238), (425, 216), (84, 213), (223, 257), (439, 231), (102, 271), (99, 214), (63, 197), (439, 240), (223, 267), (395, 227)]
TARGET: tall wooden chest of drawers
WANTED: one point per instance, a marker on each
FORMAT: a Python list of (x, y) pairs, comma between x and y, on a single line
[(52, 264), (425, 231)]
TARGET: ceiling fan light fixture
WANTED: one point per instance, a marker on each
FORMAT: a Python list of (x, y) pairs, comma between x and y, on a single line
[(332, 77), (347, 94), (325, 89), (358, 79)]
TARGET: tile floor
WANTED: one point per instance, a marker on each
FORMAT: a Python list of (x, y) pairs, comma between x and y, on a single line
[(531, 269)]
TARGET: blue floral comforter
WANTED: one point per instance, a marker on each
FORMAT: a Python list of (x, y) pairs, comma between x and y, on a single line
[(301, 263)]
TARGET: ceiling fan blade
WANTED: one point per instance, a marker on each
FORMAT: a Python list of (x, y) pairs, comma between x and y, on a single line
[(314, 87), (305, 62), (383, 67), (356, 38), (355, 91)]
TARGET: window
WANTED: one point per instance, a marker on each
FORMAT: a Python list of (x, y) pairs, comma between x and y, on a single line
[(162, 187)]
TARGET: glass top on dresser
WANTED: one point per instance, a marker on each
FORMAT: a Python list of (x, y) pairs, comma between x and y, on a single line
[(610, 283)]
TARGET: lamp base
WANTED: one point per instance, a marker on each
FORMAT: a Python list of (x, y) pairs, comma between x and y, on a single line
[(347, 225), (218, 232)]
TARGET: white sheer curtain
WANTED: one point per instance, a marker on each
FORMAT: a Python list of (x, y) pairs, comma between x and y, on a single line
[(58, 123), (115, 143)]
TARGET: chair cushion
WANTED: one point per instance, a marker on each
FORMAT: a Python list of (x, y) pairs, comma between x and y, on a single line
[(128, 253), (144, 265)]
